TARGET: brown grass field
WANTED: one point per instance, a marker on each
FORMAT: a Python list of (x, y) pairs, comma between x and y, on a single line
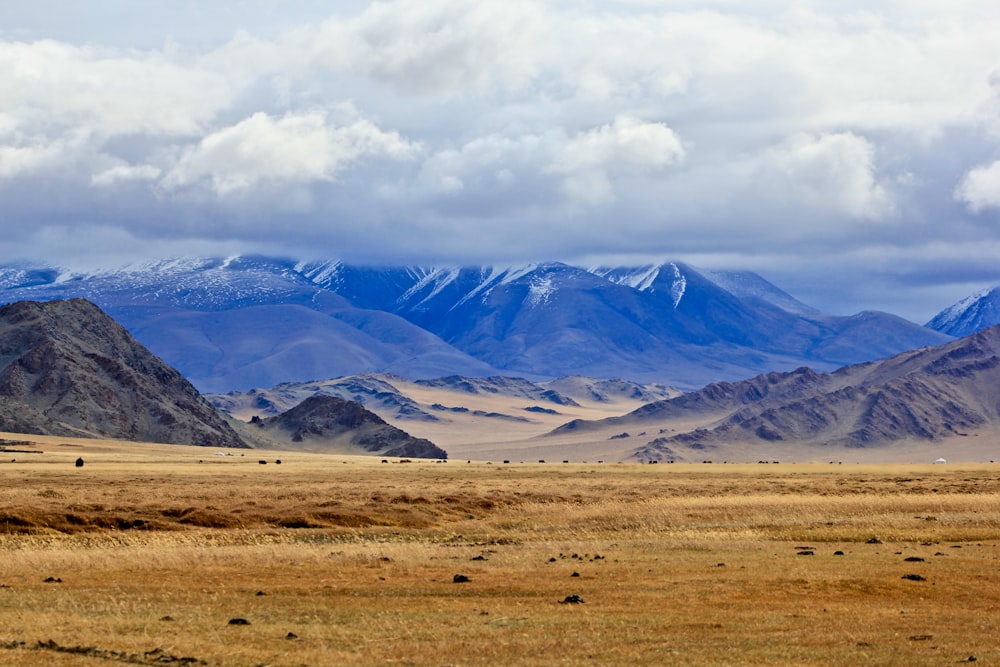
[(152, 550)]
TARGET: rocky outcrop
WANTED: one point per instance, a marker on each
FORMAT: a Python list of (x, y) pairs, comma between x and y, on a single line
[(68, 369), (320, 419)]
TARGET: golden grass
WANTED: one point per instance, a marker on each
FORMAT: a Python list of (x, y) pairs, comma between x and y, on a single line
[(701, 564)]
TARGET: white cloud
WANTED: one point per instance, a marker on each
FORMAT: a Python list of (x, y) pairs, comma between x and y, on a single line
[(625, 144), (980, 189), (439, 46), (626, 147), (295, 148), (830, 172), (125, 172), (552, 169), (18, 160), (712, 127), (54, 87)]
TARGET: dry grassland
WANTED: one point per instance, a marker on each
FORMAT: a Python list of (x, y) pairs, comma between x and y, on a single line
[(349, 561)]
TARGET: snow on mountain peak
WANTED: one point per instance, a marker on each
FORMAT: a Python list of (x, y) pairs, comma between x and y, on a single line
[(438, 279), (969, 315), (490, 277), (640, 278), (955, 311), (540, 291), (320, 272), (512, 273), (678, 287)]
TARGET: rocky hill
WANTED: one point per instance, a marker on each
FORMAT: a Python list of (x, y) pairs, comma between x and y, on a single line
[(933, 393), (329, 423), (68, 369)]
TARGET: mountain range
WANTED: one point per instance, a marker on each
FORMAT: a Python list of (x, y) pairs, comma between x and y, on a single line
[(392, 397), (250, 321), (935, 394), (917, 405), (66, 368)]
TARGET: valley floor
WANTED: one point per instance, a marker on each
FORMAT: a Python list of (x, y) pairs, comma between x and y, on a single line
[(150, 554)]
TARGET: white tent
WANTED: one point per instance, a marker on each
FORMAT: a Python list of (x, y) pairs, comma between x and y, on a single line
[(940, 461)]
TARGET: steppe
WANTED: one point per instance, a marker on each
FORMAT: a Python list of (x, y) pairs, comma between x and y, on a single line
[(167, 554)]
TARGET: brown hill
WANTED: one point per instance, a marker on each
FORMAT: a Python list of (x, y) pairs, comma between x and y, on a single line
[(329, 423), (930, 394), (68, 369)]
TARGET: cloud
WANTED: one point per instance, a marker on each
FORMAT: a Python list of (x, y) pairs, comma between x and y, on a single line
[(980, 189), (125, 172), (16, 160), (552, 170), (295, 148), (806, 134), (627, 147), (437, 46), (52, 88), (823, 173)]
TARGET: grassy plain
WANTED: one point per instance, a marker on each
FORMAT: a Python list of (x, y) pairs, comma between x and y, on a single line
[(153, 550)]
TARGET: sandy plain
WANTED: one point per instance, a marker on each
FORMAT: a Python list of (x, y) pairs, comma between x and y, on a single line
[(150, 553)]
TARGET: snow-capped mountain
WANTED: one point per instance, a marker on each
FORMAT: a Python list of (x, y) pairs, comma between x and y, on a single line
[(969, 315), (246, 322), (243, 322)]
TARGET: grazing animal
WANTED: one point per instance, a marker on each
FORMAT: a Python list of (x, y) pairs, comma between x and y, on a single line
[(79, 462), (262, 462)]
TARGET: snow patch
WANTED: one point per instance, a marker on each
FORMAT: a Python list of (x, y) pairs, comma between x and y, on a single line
[(540, 291), (515, 272), (65, 277), (320, 273), (955, 312), (491, 277), (678, 287), (640, 278), (438, 279)]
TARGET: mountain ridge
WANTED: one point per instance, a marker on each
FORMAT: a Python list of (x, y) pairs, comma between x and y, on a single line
[(253, 321), (926, 394)]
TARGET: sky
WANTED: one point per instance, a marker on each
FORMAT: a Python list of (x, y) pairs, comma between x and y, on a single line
[(849, 152)]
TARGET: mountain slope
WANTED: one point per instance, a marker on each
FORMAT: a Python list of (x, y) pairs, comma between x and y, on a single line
[(969, 315), (66, 368), (932, 393), (261, 346)]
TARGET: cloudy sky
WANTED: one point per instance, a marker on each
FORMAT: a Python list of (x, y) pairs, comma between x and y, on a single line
[(847, 151)]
